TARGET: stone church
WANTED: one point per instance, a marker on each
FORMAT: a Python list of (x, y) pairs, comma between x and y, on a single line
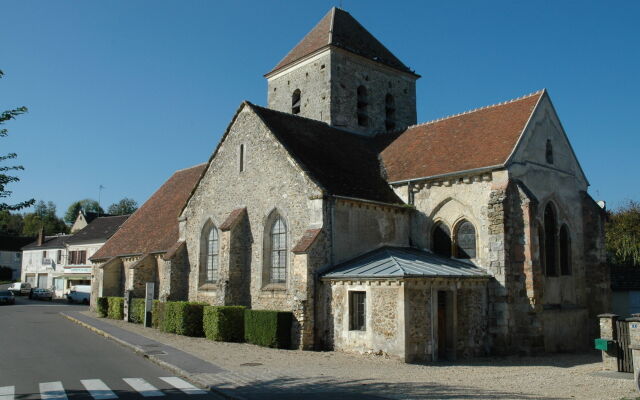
[(468, 235)]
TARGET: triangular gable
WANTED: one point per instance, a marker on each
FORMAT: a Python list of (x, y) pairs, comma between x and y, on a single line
[(338, 28), (477, 139)]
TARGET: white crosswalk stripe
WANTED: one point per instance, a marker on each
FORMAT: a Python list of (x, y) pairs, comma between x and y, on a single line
[(98, 389), (182, 385), (7, 392), (143, 387), (52, 391)]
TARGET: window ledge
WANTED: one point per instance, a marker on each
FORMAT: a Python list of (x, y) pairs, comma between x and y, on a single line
[(208, 286), (275, 287)]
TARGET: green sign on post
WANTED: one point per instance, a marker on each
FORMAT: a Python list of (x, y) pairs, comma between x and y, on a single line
[(604, 344)]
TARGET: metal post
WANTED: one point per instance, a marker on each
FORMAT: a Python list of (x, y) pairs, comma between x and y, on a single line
[(127, 304), (148, 304)]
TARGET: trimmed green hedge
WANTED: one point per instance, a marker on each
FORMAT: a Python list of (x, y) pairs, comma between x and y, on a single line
[(116, 308), (103, 307), (183, 318), (136, 311), (224, 323), (268, 328), (157, 318)]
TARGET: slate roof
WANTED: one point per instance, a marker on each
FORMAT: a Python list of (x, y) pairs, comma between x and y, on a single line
[(153, 228), (342, 163), (50, 242), (14, 243), (98, 230), (338, 28), (625, 278), (403, 262), (480, 138)]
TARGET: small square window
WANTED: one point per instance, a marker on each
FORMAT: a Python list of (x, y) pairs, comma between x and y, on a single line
[(357, 311)]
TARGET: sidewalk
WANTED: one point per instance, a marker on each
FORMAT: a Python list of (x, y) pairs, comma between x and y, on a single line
[(245, 371)]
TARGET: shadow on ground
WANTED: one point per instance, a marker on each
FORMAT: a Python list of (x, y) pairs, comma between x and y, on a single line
[(560, 360)]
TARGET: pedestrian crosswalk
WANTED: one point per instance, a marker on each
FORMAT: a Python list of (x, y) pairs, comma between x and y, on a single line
[(99, 390)]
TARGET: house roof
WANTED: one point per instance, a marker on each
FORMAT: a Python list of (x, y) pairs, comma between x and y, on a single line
[(480, 138), (153, 228), (14, 243), (624, 278), (342, 163), (338, 28), (98, 230), (307, 239), (403, 262), (89, 216), (50, 242)]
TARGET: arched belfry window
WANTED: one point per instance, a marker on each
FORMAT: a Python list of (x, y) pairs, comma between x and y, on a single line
[(295, 102), (465, 240), (549, 152), (278, 249), (551, 267), (442, 240), (209, 254), (565, 251), (363, 117), (390, 112)]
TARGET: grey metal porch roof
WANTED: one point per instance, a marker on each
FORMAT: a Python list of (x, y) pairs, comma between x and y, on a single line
[(402, 262)]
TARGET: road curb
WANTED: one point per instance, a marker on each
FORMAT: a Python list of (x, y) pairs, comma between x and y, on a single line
[(141, 352)]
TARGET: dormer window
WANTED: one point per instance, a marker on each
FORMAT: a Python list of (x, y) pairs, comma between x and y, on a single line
[(295, 102), (549, 152), (390, 112), (363, 118)]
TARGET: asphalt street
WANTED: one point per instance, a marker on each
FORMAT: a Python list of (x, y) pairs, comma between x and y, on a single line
[(44, 355)]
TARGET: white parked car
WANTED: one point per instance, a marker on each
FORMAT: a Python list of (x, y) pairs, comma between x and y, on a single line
[(80, 294), (20, 288)]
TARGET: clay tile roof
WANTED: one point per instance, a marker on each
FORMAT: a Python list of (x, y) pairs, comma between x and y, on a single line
[(234, 216), (153, 228), (100, 229), (480, 138), (338, 28), (309, 236), (173, 250), (342, 163)]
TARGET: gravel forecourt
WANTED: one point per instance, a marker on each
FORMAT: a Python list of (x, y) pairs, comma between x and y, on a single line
[(558, 376)]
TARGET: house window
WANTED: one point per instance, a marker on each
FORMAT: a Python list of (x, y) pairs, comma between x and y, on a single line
[(357, 311), (59, 257), (210, 254), (363, 118), (565, 251), (550, 241), (241, 157), (295, 102), (44, 255), (17, 256), (278, 251), (82, 257), (465, 242), (390, 112), (442, 240), (549, 152)]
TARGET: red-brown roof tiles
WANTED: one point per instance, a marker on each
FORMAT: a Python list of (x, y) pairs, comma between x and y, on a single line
[(233, 217), (338, 28), (307, 239), (153, 228), (476, 139)]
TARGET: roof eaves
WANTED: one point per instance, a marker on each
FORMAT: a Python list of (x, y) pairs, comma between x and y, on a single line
[(453, 173)]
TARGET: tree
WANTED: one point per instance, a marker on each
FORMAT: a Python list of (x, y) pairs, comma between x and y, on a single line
[(123, 207), (43, 215), (86, 205), (10, 224), (623, 235), (4, 178)]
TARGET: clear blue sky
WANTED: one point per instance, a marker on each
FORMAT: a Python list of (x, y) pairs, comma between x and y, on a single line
[(123, 93)]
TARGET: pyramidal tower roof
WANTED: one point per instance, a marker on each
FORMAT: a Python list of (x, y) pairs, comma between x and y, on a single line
[(338, 28)]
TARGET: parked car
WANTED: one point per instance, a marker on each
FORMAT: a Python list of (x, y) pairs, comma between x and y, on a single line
[(7, 297), (20, 288), (79, 294), (41, 294)]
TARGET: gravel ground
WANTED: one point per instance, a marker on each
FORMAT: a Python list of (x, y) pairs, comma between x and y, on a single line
[(558, 376)]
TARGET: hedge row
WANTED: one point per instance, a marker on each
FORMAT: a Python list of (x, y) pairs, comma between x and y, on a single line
[(103, 307), (224, 323), (136, 311), (268, 328), (116, 307), (183, 318)]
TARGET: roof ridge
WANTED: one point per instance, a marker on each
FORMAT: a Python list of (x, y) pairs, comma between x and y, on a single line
[(541, 91), (387, 250)]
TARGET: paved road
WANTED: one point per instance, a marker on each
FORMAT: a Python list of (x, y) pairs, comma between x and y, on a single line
[(46, 356)]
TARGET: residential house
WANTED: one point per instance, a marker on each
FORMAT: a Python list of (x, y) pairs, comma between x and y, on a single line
[(42, 260), (11, 254)]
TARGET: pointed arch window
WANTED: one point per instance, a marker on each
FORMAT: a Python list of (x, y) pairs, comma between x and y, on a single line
[(465, 240), (390, 112), (550, 248), (295, 102), (278, 251), (565, 251), (442, 240), (363, 117), (210, 250)]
